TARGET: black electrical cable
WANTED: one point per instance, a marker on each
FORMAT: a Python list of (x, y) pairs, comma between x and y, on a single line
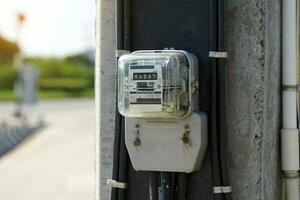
[(116, 155), (213, 133), (166, 182), (117, 131), (127, 24), (123, 162), (223, 131), (173, 185), (181, 186), (153, 186), (213, 114), (120, 158), (119, 24)]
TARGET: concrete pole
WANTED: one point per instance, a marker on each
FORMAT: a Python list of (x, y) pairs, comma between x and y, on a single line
[(105, 94), (253, 79)]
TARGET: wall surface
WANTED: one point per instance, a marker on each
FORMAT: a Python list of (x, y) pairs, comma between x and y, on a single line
[(253, 80)]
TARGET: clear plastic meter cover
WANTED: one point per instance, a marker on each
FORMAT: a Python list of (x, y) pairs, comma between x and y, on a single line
[(153, 85)]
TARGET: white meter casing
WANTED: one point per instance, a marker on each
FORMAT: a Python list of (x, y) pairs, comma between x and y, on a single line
[(158, 95)]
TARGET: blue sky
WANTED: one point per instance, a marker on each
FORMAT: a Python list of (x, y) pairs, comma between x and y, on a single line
[(52, 28)]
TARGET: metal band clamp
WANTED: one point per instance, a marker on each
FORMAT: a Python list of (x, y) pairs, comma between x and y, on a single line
[(222, 190), (218, 54), (116, 184)]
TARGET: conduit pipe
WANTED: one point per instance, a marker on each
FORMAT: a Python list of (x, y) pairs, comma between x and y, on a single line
[(290, 131)]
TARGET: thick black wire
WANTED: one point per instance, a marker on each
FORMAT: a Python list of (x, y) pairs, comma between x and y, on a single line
[(223, 131), (166, 182), (153, 186), (174, 194), (213, 119), (120, 158), (116, 155), (214, 101), (117, 131), (119, 24), (127, 24), (214, 140), (181, 186), (123, 162)]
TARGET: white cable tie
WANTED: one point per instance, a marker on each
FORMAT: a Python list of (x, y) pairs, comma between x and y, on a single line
[(218, 54), (116, 184), (222, 190), (121, 52)]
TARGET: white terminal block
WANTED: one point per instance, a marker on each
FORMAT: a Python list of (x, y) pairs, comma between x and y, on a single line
[(290, 149), (169, 145)]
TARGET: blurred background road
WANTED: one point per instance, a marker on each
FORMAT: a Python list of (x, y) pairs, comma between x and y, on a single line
[(57, 162), (47, 72)]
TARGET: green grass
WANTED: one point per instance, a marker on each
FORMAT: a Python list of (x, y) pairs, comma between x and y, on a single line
[(65, 94), (6, 95), (64, 84)]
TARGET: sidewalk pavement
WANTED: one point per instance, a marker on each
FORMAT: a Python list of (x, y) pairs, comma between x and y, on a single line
[(57, 162)]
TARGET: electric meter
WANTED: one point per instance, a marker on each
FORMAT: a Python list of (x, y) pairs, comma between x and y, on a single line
[(157, 94), (157, 84)]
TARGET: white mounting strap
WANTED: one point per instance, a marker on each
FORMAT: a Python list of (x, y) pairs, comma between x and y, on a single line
[(121, 52), (222, 190), (116, 184), (218, 54)]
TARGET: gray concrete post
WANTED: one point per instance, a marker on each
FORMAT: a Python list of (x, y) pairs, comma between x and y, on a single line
[(253, 79), (105, 94)]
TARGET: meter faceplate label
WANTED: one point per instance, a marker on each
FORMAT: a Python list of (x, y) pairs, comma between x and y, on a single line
[(145, 87)]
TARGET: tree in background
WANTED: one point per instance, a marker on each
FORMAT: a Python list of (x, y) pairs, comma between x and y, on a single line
[(86, 58), (72, 76), (8, 50)]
